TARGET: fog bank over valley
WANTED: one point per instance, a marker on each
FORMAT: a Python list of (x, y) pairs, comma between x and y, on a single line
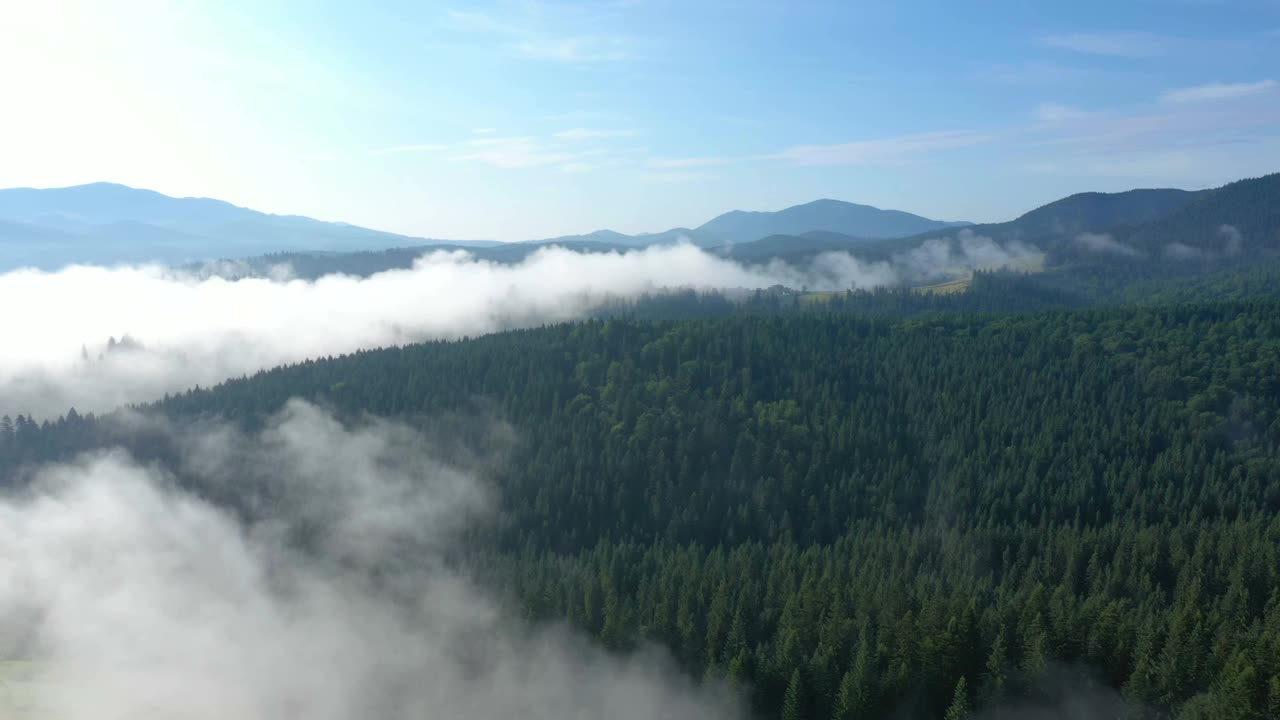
[(173, 330)]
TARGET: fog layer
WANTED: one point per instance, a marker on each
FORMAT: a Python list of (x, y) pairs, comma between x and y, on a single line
[(325, 596), (186, 330)]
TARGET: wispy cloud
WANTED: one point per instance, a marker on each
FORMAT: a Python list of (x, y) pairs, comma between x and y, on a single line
[(478, 22), (493, 141), (537, 36), (567, 149), (579, 116), (411, 148), (1180, 137), (1182, 119), (1055, 113), (579, 49), (1217, 91), (688, 162), (1113, 44), (514, 153), (597, 160), (679, 176), (589, 134), (880, 152)]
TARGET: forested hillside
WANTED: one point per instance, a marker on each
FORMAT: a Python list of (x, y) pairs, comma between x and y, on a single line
[(854, 516)]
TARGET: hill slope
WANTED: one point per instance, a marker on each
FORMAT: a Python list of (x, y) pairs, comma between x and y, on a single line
[(1091, 211)]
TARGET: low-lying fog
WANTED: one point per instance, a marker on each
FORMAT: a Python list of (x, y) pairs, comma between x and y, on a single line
[(185, 330), (325, 596)]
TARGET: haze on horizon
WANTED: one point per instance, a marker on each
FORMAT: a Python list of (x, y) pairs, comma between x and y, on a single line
[(511, 120)]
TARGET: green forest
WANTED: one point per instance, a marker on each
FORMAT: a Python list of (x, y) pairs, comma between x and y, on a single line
[(855, 514)]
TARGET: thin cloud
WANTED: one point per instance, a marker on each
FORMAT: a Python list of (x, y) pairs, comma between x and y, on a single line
[(597, 160), (496, 140), (1166, 126), (1055, 113), (579, 116), (590, 134), (1112, 44), (483, 131), (478, 22), (580, 49), (689, 162), (515, 153), (880, 152), (411, 148), (551, 45), (679, 176), (1217, 91)]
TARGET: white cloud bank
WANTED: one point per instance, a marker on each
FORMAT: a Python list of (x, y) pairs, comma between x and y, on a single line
[(203, 330), (131, 597)]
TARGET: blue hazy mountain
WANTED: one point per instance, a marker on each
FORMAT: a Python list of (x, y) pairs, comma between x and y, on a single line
[(108, 223), (835, 216)]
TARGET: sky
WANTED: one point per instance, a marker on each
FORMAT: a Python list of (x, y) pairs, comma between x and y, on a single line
[(517, 120)]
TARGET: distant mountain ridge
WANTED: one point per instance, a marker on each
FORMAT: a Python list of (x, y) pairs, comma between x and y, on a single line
[(107, 223), (744, 226), (828, 215), (1168, 224), (1056, 224)]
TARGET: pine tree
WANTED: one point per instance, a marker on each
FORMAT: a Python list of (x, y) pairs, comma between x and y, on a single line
[(994, 679), (1035, 658), (791, 701), (959, 709), (854, 697), (850, 698)]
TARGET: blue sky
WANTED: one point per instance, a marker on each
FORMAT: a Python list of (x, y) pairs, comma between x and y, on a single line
[(515, 120)]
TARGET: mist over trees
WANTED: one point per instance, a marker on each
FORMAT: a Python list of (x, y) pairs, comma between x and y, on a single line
[(1051, 490), (849, 516)]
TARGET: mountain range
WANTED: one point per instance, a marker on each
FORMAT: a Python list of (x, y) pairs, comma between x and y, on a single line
[(1241, 218), (110, 223), (1169, 225), (743, 226), (105, 223)]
